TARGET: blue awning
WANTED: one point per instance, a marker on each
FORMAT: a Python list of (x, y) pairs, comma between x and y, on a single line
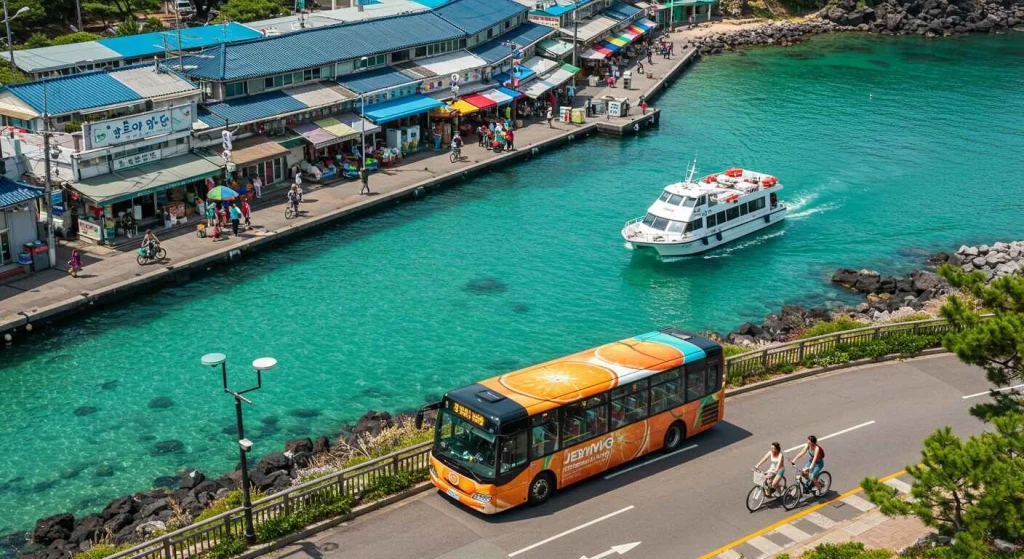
[(14, 192), (522, 73), (409, 105)]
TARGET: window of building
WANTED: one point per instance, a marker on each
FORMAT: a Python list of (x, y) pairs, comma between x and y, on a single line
[(514, 450), (372, 61), (583, 420), (694, 225), (544, 434), (508, 24), (732, 213), (235, 89), (696, 382), (400, 56), (420, 51), (629, 403), (490, 33), (5, 247), (667, 391)]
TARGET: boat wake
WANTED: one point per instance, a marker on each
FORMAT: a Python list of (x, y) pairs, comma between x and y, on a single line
[(811, 211), (726, 251)]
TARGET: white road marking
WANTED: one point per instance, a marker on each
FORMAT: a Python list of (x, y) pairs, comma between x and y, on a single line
[(619, 549), (836, 434), (820, 520), (653, 460), (899, 485), (764, 545), (793, 533), (987, 392), (858, 503), (571, 530), (729, 554)]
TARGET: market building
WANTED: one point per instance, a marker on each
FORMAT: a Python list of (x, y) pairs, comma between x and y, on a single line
[(18, 203)]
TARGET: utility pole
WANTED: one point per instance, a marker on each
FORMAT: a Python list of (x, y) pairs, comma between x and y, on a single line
[(575, 35), (51, 243), (10, 43), (78, 11)]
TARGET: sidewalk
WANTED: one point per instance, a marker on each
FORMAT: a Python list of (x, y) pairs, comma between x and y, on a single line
[(48, 292)]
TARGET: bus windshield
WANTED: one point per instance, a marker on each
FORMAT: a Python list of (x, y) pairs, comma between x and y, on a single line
[(467, 445)]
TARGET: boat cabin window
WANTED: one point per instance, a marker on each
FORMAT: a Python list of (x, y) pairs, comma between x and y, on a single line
[(732, 213), (712, 220), (676, 227), (672, 199), (689, 202), (649, 220), (655, 222), (703, 199), (664, 196), (694, 225)]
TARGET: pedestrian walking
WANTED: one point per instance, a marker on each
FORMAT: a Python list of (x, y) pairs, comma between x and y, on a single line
[(257, 185), (643, 105), (75, 264), (298, 178), (211, 214), (236, 217), (481, 133), (550, 116), (640, 66), (650, 55), (691, 21), (510, 140), (364, 176), (247, 213)]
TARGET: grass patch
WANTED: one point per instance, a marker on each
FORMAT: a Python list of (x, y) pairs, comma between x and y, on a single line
[(101, 550), (232, 500), (839, 324), (732, 349), (848, 550), (315, 511), (229, 547)]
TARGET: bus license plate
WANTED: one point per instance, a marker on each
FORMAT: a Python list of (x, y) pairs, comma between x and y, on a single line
[(453, 494)]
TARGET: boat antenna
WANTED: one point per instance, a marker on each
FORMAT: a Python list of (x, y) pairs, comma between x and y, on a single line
[(692, 170)]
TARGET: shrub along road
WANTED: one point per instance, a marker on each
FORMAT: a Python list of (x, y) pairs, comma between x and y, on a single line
[(692, 502)]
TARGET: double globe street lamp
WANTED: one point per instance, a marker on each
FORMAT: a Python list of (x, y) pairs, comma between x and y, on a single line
[(244, 445)]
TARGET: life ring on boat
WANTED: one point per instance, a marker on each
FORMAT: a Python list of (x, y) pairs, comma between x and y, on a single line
[(769, 181), (733, 198), (711, 178), (734, 172)]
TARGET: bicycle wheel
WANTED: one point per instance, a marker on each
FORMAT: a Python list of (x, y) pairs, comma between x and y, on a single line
[(452, 157), (755, 499), (289, 213), (141, 260), (826, 483), (792, 496), (161, 254)]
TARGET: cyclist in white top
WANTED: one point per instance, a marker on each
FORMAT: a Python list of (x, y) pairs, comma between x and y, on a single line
[(776, 465)]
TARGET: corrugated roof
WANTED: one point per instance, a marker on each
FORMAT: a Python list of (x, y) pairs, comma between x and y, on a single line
[(319, 94), (77, 92), (148, 44), (148, 82), (474, 16), (12, 192), (374, 80), (621, 11), (525, 35), (321, 46), (47, 59), (252, 108), (591, 29), (446, 64), (559, 9)]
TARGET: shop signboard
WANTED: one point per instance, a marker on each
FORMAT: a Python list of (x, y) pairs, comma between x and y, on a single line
[(136, 160), (90, 230), (137, 127)]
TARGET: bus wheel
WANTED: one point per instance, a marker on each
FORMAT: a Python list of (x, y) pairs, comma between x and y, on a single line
[(541, 488), (674, 437)]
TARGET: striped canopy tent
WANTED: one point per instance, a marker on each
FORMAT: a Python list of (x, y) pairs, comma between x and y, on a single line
[(628, 34), (464, 108), (637, 29), (480, 102), (610, 47), (499, 97), (617, 41), (446, 111), (645, 24)]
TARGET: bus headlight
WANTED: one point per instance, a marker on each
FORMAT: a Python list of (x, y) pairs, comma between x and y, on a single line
[(481, 498), (433, 472)]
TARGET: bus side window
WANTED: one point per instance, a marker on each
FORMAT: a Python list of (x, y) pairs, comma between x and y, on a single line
[(629, 403), (696, 381), (513, 452), (583, 420), (544, 430), (667, 391), (714, 379)]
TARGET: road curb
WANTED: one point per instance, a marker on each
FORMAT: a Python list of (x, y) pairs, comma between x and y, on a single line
[(783, 379)]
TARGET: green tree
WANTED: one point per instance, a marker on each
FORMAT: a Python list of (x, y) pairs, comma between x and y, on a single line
[(153, 24), (971, 490), (103, 12), (72, 38), (8, 76), (250, 10), (128, 27), (37, 40), (997, 344)]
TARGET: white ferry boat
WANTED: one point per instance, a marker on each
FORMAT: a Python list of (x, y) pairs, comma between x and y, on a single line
[(691, 217)]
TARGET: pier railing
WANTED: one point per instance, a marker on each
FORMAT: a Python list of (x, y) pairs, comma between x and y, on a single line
[(199, 538), (761, 361)]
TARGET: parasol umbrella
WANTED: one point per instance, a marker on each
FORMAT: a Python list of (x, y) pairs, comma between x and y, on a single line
[(222, 193)]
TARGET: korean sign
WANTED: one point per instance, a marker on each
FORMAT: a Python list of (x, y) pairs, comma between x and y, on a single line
[(136, 127)]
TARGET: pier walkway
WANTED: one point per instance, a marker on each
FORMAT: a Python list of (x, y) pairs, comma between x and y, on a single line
[(110, 274)]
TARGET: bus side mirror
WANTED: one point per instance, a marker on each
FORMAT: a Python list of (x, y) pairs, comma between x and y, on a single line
[(419, 420), (423, 410)]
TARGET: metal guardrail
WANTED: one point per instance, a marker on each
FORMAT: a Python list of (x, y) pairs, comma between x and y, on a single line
[(199, 538), (792, 353)]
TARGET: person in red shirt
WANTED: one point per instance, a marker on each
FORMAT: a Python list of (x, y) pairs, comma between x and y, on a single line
[(246, 210), (510, 139)]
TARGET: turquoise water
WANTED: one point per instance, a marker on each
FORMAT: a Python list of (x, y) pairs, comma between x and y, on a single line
[(889, 149)]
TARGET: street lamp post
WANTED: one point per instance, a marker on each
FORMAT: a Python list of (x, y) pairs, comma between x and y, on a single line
[(575, 36), (244, 445), (7, 22), (362, 124)]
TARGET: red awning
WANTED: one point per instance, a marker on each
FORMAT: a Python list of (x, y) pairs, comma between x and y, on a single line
[(477, 100)]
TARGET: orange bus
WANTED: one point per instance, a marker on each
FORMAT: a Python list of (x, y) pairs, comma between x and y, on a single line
[(518, 437)]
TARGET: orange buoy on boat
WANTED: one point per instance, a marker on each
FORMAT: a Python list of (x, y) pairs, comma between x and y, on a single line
[(711, 178), (734, 172), (769, 181)]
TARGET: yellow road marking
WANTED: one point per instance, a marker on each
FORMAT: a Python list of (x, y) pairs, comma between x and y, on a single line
[(793, 517)]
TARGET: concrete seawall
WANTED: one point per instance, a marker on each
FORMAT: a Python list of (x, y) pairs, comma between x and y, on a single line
[(179, 272)]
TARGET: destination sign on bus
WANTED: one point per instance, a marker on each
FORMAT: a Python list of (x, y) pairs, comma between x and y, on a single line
[(468, 414)]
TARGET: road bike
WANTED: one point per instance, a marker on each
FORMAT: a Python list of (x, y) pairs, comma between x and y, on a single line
[(793, 494), (758, 495)]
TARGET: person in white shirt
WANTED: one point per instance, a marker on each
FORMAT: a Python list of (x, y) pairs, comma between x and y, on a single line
[(257, 185), (776, 465)]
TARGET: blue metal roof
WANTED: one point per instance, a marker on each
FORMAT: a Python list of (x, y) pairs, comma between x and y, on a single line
[(474, 16), (402, 107), (431, 3), (252, 108), (12, 192), (522, 73), (374, 80), (321, 46), (148, 44), (526, 34), (559, 9), (620, 11), (77, 92)]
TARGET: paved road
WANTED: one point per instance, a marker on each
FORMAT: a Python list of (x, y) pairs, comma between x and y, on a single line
[(689, 504)]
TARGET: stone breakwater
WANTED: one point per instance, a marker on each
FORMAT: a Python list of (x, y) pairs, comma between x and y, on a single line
[(132, 519), (890, 17), (887, 298)]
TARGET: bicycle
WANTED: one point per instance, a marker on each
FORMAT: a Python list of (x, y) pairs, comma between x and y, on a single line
[(758, 495), (792, 496), (291, 211), (455, 155), (143, 256)]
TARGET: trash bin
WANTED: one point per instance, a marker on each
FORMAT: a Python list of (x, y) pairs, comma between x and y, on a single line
[(592, 80), (39, 253), (627, 79)]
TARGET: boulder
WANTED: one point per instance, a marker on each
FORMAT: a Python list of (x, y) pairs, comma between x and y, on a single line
[(296, 446), (1000, 247), (370, 424), (321, 445), (147, 530), (192, 480), (925, 281), (206, 487), (273, 462), (739, 339), (154, 507), (969, 251), (983, 249), (301, 459), (87, 530), (118, 523), (845, 277), (887, 285), (867, 281), (52, 528), (979, 262)]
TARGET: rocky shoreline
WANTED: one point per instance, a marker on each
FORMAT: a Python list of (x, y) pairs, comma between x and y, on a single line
[(930, 18), (135, 518)]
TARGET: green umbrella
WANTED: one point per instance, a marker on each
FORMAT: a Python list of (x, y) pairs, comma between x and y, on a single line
[(221, 193)]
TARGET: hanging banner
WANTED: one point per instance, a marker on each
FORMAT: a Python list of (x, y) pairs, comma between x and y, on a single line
[(136, 160), (136, 127)]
